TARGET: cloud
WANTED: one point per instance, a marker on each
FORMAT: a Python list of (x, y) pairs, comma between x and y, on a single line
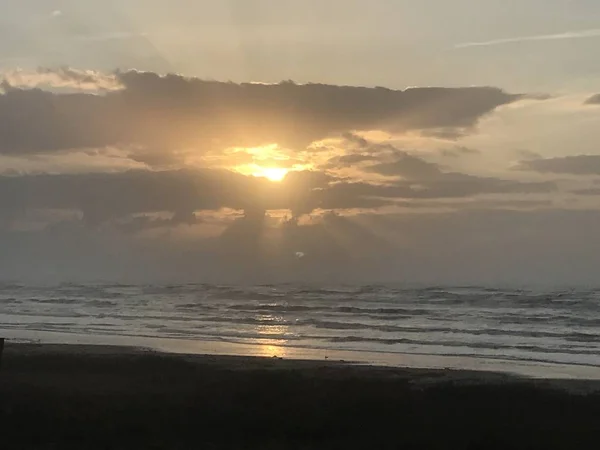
[(147, 222), (481, 204), (571, 165), (112, 36), (108, 197), (349, 194), (105, 196), (406, 166), (593, 100), (418, 178), (361, 142), (153, 222), (447, 134), (176, 112), (459, 151), (588, 191), (350, 160), (452, 185), (65, 77), (581, 34), (528, 154)]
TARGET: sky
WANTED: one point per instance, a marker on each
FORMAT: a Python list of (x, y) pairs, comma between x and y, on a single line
[(258, 141)]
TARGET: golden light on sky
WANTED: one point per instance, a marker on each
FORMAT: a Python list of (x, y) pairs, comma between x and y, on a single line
[(271, 173), (268, 161)]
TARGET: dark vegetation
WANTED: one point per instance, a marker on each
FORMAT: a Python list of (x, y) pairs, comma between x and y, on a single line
[(145, 401)]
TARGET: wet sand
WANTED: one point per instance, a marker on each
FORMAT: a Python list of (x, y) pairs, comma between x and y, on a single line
[(99, 397)]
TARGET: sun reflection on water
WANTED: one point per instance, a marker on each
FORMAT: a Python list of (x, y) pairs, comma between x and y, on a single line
[(272, 351), (269, 346)]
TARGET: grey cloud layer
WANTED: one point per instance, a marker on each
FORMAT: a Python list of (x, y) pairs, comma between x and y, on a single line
[(108, 196), (176, 112), (571, 165), (593, 100)]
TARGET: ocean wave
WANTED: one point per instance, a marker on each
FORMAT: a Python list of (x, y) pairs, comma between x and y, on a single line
[(11, 287), (460, 344), (529, 333), (100, 303), (448, 320), (236, 294), (282, 308), (326, 291), (56, 301), (275, 308), (274, 321), (196, 306), (564, 320), (47, 314)]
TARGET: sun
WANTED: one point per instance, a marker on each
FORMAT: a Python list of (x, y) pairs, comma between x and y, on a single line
[(275, 174)]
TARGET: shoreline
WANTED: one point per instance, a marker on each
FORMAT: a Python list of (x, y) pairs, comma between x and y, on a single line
[(70, 396), (241, 362), (529, 368)]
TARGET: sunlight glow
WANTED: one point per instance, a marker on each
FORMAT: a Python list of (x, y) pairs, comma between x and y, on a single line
[(271, 173), (268, 161)]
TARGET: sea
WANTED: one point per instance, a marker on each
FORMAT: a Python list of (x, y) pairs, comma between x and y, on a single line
[(472, 327)]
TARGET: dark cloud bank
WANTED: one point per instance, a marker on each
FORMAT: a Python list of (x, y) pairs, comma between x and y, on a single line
[(593, 100), (105, 196), (174, 111)]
